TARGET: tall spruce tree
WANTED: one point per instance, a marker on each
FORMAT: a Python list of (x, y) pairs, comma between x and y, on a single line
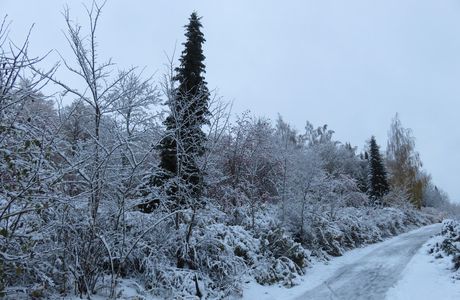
[(193, 98), (184, 140), (378, 184), (189, 112)]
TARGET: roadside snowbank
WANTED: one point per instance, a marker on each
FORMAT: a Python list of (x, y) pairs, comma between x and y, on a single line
[(428, 276)]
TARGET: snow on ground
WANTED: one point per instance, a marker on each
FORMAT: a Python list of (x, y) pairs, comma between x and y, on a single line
[(127, 289), (426, 278), (314, 276), (316, 281)]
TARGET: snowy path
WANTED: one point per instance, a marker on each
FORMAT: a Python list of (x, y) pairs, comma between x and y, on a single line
[(371, 276), (364, 273)]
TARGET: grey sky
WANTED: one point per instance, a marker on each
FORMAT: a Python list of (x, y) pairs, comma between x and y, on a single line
[(351, 64)]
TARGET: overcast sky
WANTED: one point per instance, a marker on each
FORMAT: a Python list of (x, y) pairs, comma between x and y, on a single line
[(349, 64)]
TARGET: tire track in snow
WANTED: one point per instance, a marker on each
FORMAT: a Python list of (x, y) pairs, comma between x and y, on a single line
[(374, 274)]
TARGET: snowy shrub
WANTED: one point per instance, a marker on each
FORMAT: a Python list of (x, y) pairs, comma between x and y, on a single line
[(284, 259), (222, 253), (449, 246), (353, 227), (326, 237), (29, 262), (218, 257), (396, 197), (279, 244), (169, 282), (273, 270), (85, 257)]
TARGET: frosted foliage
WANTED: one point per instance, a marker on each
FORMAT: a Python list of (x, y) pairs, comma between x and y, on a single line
[(82, 213), (448, 246)]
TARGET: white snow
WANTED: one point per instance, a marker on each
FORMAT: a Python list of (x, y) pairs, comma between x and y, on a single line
[(127, 289), (314, 276), (437, 276), (426, 277)]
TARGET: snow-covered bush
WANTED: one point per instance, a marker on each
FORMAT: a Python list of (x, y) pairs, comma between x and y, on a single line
[(354, 227), (283, 259), (449, 246), (218, 257), (222, 256)]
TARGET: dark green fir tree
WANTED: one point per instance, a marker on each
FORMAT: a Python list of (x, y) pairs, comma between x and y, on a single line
[(378, 184), (184, 140)]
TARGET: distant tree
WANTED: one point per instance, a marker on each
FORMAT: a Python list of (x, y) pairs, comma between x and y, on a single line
[(286, 138), (378, 184), (435, 197), (363, 173), (404, 163)]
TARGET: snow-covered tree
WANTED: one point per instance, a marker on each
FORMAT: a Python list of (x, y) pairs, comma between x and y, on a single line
[(378, 185), (28, 169), (404, 164)]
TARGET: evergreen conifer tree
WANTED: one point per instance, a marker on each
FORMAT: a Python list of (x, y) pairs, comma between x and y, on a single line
[(184, 139), (378, 184)]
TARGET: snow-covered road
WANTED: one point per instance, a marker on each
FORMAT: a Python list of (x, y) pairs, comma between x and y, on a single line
[(373, 274)]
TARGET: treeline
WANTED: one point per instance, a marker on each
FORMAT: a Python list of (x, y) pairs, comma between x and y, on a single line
[(179, 199)]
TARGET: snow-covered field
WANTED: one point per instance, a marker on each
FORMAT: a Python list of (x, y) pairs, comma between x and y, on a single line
[(398, 268)]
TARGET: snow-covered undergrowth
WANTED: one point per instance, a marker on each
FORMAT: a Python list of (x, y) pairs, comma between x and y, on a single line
[(447, 247), (222, 256), (355, 227), (231, 255)]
